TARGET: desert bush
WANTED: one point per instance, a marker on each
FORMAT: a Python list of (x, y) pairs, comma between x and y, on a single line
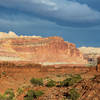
[(71, 81), (58, 75), (3, 73), (8, 95), (93, 78), (51, 83), (19, 91), (31, 94), (77, 77), (73, 94), (67, 82), (2, 97), (37, 81), (38, 93)]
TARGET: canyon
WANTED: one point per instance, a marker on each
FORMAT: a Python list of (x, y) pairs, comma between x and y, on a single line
[(48, 58)]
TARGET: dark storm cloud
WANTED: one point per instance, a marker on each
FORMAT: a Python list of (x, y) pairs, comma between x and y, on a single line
[(95, 4), (63, 12)]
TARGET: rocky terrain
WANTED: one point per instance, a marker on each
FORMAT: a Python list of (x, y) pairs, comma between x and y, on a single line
[(90, 51), (90, 54), (47, 51), (37, 68), (17, 78)]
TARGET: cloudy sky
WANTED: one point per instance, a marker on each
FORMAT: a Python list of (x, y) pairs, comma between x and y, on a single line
[(77, 21)]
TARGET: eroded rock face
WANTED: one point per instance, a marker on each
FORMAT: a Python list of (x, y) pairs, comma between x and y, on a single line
[(90, 52), (48, 50)]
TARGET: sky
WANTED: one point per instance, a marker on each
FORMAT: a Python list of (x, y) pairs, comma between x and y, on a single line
[(77, 21)]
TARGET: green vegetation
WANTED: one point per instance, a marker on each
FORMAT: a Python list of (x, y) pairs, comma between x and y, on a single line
[(3, 73), (31, 94), (8, 95), (3, 97), (19, 91), (71, 81), (73, 94), (35, 94), (51, 83), (36, 81), (94, 77), (59, 75)]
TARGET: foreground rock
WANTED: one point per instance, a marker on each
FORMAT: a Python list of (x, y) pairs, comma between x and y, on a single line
[(48, 51)]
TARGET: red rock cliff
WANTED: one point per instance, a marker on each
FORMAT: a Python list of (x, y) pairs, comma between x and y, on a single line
[(40, 50)]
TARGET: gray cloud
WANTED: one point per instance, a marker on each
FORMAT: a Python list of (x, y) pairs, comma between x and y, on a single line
[(62, 12)]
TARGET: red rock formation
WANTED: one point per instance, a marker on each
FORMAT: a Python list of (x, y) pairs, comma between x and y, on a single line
[(51, 50)]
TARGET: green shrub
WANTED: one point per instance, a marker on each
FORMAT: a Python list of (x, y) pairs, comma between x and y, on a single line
[(67, 82), (51, 83), (28, 98), (2, 97), (93, 78), (77, 78), (9, 94), (37, 81), (31, 94), (38, 93), (71, 81), (3, 73), (58, 75), (19, 91), (73, 94)]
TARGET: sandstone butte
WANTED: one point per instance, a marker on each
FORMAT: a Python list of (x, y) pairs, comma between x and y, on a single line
[(47, 51)]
